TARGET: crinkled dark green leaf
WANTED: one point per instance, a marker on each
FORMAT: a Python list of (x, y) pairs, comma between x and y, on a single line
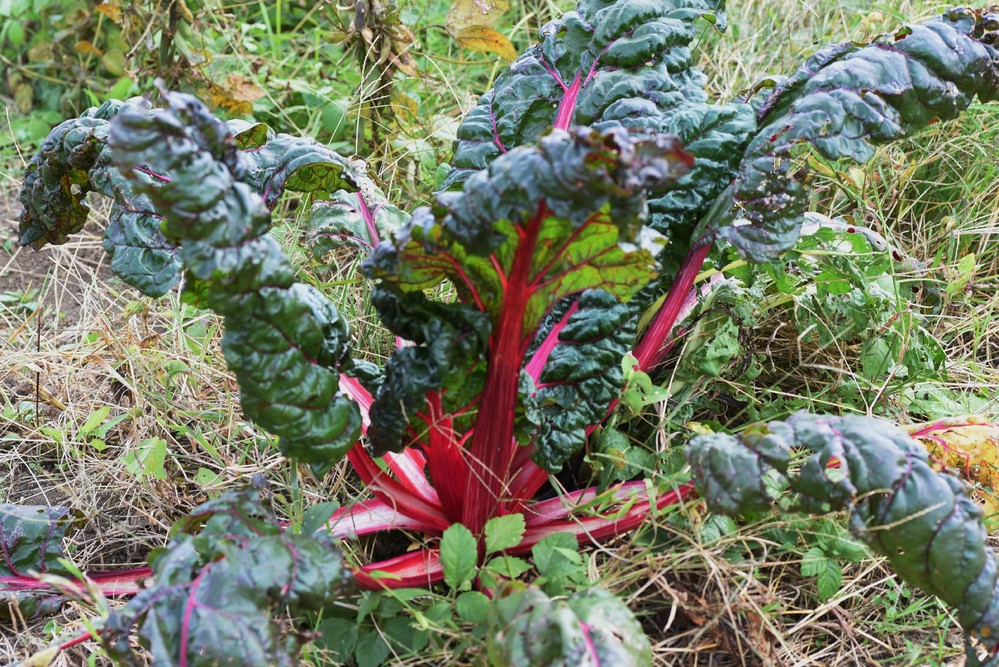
[(57, 180), (228, 570), (591, 628), (284, 340), (30, 543), (351, 219), (923, 521), (846, 100), (450, 340), (716, 135), (75, 160), (539, 225), (581, 377), (626, 63), (298, 164), (606, 63)]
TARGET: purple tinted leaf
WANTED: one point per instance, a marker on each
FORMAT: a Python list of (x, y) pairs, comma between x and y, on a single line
[(30, 544)]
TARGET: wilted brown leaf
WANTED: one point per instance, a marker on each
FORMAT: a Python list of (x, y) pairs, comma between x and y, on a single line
[(236, 96)]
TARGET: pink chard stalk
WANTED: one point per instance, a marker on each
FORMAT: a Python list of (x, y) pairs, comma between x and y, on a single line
[(589, 187)]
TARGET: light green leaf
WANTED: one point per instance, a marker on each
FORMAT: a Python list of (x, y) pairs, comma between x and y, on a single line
[(508, 566), (95, 419), (504, 532), (459, 553), (146, 459), (206, 477)]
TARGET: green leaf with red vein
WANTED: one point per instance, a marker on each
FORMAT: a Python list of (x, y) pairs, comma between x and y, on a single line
[(845, 100), (539, 225), (228, 570), (30, 544), (75, 160), (567, 215), (624, 63), (351, 219), (285, 341), (580, 378)]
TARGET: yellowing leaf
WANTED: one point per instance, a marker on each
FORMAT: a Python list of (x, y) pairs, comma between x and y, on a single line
[(243, 89), (404, 104), (110, 10), (467, 13), (87, 48), (114, 62), (486, 40), (42, 658), (236, 97), (969, 444)]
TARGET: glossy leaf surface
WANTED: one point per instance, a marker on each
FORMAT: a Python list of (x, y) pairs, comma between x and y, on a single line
[(923, 521), (284, 340), (228, 570), (591, 628), (541, 224), (845, 100), (351, 219), (623, 63), (581, 376), (75, 160)]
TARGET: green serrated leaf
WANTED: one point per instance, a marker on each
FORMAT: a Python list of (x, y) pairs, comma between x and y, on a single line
[(504, 532), (459, 554), (338, 637), (371, 649), (509, 567), (472, 607)]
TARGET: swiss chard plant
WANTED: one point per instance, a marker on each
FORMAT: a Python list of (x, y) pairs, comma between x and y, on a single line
[(589, 186)]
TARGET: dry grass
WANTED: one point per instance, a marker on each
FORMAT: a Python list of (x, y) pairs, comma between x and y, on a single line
[(79, 341)]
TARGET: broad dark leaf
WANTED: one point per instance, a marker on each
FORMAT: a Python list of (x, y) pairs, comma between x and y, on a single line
[(581, 378), (348, 219), (844, 101), (284, 340), (30, 544), (297, 164), (228, 570), (75, 160), (539, 225), (923, 521), (592, 628), (621, 63)]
